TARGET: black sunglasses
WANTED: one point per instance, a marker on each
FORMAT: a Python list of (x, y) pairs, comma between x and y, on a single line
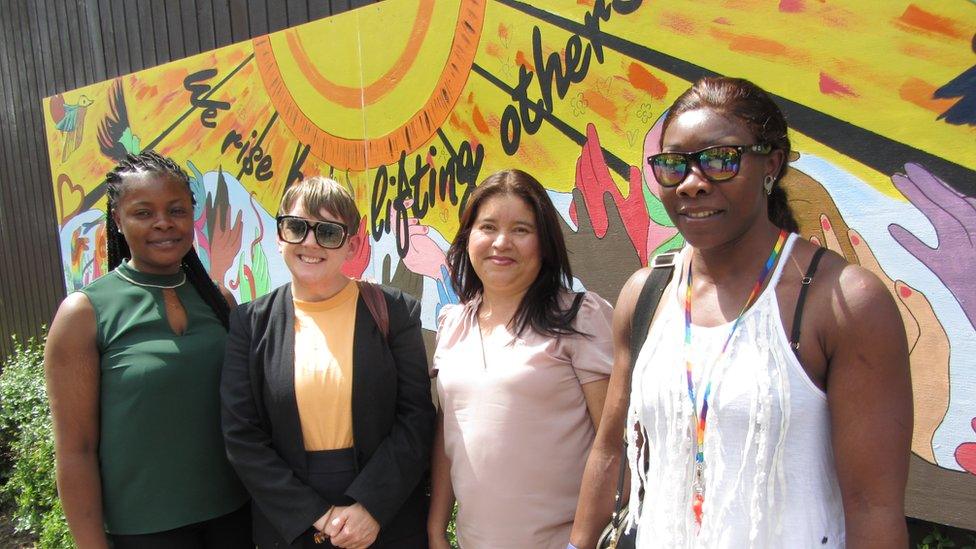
[(329, 234), (718, 163)]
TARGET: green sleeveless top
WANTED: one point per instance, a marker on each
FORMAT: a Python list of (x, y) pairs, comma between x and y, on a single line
[(161, 451)]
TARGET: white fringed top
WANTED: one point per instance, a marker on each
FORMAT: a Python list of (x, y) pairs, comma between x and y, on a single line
[(769, 466)]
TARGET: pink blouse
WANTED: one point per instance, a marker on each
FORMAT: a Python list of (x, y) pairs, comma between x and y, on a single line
[(516, 429)]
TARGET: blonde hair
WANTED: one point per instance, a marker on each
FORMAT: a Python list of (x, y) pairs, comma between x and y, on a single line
[(320, 192)]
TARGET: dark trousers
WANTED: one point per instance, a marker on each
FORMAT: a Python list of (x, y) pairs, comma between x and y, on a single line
[(230, 531), (330, 472)]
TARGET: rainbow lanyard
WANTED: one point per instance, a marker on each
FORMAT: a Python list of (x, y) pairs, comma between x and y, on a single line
[(699, 483)]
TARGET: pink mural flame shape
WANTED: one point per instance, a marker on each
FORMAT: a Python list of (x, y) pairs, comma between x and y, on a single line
[(966, 453), (953, 215), (594, 181)]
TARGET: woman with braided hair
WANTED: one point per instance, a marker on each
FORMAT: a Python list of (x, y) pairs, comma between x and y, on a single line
[(133, 365)]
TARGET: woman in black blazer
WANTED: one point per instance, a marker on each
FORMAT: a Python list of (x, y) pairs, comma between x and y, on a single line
[(328, 422)]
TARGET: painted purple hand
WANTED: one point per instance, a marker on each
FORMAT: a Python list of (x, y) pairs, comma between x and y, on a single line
[(953, 215)]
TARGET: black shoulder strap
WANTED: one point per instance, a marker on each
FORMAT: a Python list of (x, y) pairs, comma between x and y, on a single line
[(804, 286), (662, 269)]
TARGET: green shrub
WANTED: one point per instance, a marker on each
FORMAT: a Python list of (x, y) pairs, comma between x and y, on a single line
[(27, 481)]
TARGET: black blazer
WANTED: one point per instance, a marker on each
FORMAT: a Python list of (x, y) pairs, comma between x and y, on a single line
[(393, 416)]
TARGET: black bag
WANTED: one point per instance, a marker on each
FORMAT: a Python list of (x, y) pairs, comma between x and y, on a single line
[(662, 269)]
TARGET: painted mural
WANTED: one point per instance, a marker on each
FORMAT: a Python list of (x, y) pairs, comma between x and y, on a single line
[(410, 103)]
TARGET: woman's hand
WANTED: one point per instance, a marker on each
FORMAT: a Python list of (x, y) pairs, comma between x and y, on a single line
[(351, 527)]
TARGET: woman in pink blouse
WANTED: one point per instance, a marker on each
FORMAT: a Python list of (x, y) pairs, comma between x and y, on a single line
[(522, 366)]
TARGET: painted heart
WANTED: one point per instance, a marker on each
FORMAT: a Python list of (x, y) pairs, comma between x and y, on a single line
[(70, 197)]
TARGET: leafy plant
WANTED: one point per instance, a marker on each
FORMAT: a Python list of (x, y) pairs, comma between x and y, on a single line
[(936, 540), (27, 480)]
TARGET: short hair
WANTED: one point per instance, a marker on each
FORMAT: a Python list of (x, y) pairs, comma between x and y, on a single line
[(540, 308), (320, 192)]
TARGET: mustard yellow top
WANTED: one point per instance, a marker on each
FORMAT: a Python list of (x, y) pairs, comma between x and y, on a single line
[(323, 369)]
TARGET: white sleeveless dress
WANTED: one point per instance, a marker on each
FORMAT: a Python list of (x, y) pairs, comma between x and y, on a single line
[(769, 467)]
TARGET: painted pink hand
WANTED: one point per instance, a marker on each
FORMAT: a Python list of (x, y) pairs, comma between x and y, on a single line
[(594, 181), (953, 215), (966, 453), (424, 256)]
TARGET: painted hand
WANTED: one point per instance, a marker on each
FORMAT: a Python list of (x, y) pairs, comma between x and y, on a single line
[(225, 243), (424, 256), (953, 215), (352, 527), (927, 343)]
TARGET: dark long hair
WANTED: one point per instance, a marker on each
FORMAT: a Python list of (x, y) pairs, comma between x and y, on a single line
[(118, 248), (540, 308), (748, 102)]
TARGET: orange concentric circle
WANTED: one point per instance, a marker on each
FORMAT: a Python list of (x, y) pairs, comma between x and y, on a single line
[(359, 154)]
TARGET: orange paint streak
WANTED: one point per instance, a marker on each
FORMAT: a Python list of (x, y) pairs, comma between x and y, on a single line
[(678, 23), (919, 92), (642, 79), (758, 46), (493, 49), (479, 121), (523, 61), (754, 44), (599, 104), (915, 18), (354, 97), (502, 30), (584, 3)]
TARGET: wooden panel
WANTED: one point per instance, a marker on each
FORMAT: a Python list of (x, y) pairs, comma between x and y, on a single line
[(18, 283), (72, 33), (35, 178), (160, 32), (152, 53), (108, 39), (239, 25), (257, 17), (117, 22), (297, 12), (50, 20), (222, 22), (45, 265), (318, 9), (174, 29), (205, 25), (189, 24), (277, 15), (94, 47)]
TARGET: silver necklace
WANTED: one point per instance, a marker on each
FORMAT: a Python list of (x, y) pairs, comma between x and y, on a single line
[(145, 284)]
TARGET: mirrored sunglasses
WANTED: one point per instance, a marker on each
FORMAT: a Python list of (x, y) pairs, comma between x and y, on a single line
[(719, 163), (328, 234)]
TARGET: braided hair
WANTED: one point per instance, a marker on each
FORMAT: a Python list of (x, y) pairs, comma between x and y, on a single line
[(118, 248)]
